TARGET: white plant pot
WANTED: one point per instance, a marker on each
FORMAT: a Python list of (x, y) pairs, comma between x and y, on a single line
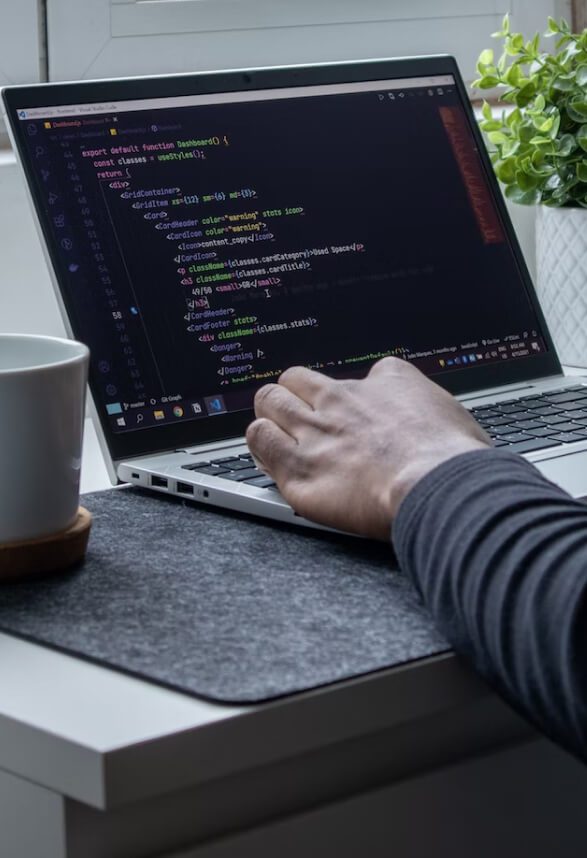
[(561, 279)]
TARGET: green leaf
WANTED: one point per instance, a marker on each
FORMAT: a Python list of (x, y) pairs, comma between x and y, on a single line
[(553, 27), (581, 75), (581, 137), (513, 75), (512, 147), (577, 108), (563, 83), (540, 141), (526, 94), (517, 40), (553, 182), (526, 131), (485, 57), (506, 171), (546, 125), (514, 43), (582, 170), (556, 121), (525, 198), (486, 110), (560, 43), (490, 125), (528, 168), (497, 137), (563, 190), (486, 82), (541, 167), (539, 102), (526, 182), (555, 202), (514, 118), (565, 145), (532, 46)]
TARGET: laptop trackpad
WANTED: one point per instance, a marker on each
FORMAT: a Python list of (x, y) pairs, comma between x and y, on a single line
[(569, 472)]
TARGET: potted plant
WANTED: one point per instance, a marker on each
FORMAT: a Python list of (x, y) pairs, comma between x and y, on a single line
[(538, 147)]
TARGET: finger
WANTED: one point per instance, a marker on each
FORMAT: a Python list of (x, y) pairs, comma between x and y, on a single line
[(271, 447), (391, 365), (305, 383), (287, 410)]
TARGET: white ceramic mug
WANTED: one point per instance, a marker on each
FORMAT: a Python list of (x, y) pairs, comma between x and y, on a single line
[(42, 405)]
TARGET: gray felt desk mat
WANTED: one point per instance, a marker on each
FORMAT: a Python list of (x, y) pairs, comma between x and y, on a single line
[(225, 607)]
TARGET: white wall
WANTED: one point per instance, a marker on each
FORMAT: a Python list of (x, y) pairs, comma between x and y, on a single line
[(27, 302)]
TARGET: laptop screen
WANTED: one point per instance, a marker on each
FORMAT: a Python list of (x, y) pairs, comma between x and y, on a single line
[(206, 242)]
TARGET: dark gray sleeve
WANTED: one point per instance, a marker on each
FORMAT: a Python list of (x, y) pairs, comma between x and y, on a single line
[(499, 555)]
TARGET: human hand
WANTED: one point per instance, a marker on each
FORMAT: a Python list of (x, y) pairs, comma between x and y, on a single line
[(346, 453)]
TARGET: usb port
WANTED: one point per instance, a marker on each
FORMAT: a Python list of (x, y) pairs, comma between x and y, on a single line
[(185, 489), (159, 482)]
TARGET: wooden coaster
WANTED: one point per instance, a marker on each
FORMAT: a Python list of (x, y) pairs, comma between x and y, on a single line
[(49, 553)]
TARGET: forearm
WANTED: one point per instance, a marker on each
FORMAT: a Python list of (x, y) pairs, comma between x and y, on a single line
[(499, 555)]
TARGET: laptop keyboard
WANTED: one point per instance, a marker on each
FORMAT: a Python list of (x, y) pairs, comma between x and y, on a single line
[(239, 469), (536, 422), (528, 423)]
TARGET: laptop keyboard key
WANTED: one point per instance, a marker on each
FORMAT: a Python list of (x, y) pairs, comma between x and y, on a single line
[(567, 437), (210, 470), (553, 419), (575, 415), (240, 465), (534, 444), (502, 430), (514, 437), (546, 410), (528, 424), (509, 409), (241, 476), (534, 405), (569, 396), (502, 420), (262, 482), (482, 411), (544, 432), (579, 405), (564, 427)]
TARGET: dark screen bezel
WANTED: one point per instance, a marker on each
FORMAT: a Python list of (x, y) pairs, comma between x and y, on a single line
[(217, 428)]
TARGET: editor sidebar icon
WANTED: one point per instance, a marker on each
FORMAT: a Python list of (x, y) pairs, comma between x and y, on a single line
[(215, 404)]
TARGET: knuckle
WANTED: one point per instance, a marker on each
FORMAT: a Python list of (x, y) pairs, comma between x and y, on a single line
[(391, 364), (256, 431), (290, 374), (263, 394), (333, 393), (261, 440)]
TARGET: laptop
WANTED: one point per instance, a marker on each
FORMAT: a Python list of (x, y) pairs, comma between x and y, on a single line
[(206, 231)]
